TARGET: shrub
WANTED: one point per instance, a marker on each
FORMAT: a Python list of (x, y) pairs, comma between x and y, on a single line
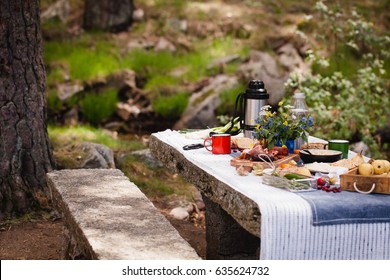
[(347, 104)]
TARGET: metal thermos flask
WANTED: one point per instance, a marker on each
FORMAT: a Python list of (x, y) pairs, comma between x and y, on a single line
[(255, 97)]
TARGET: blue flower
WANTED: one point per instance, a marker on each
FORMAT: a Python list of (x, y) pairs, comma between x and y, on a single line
[(303, 119), (310, 121), (276, 134), (303, 126)]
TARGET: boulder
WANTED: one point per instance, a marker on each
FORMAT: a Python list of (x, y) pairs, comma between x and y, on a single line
[(200, 112), (290, 58), (146, 156), (274, 70), (263, 66), (84, 155)]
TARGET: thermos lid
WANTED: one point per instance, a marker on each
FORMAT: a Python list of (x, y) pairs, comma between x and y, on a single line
[(256, 90)]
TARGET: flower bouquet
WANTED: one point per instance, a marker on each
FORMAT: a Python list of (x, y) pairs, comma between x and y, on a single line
[(277, 128)]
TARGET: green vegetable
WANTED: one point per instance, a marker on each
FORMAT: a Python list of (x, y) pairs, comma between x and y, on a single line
[(226, 127), (291, 176)]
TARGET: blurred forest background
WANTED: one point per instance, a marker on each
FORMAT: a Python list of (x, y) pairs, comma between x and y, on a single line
[(114, 79), (120, 70)]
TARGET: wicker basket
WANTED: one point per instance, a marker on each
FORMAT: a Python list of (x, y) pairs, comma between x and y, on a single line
[(352, 181)]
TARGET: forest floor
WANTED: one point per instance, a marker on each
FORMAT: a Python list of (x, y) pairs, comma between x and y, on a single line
[(41, 238)]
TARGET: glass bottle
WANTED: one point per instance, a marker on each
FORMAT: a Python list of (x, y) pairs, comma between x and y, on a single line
[(299, 111)]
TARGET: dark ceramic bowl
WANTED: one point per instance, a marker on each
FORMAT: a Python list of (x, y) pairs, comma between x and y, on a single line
[(319, 155)]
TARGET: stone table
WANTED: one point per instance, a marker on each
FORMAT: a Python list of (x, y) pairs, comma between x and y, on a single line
[(232, 219)]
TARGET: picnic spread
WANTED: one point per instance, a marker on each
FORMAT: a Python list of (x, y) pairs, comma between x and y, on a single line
[(317, 199), (306, 223)]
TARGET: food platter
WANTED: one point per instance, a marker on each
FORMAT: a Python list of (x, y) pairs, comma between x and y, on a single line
[(237, 162)]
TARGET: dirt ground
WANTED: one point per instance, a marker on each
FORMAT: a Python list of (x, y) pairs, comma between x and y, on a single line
[(41, 239)]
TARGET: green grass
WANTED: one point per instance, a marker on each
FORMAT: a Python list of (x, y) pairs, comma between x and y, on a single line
[(54, 104), (96, 107), (92, 56), (170, 107), (155, 65), (155, 182), (88, 57), (61, 136)]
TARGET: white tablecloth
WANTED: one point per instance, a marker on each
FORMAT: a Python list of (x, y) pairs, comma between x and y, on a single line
[(286, 228)]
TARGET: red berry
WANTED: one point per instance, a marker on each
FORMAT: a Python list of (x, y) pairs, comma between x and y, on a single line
[(321, 181)]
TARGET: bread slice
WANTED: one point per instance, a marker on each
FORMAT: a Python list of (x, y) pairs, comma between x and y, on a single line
[(243, 142)]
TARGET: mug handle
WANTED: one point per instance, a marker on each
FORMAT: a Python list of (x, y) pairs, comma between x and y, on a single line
[(204, 143), (325, 145)]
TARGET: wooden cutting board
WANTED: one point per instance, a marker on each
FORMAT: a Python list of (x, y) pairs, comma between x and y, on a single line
[(236, 162)]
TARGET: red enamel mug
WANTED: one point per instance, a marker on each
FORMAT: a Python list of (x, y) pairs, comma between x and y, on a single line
[(220, 144)]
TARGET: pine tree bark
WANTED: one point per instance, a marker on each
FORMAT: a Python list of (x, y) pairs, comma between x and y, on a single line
[(25, 154), (108, 15)]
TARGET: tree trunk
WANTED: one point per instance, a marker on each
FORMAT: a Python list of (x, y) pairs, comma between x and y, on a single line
[(25, 155), (108, 15)]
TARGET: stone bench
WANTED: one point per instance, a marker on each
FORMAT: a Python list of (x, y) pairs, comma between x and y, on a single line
[(107, 217)]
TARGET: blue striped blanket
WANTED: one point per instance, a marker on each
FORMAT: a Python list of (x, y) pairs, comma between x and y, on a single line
[(347, 207)]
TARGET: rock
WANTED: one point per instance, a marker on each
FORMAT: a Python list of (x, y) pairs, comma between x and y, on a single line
[(291, 60), (125, 110), (223, 61), (138, 15), (146, 156), (200, 204), (177, 25), (59, 9), (179, 213), (67, 90), (71, 118), (120, 80), (114, 16), (84, 155), (164, 45), (113, 126), (200, 112), (262, 66)]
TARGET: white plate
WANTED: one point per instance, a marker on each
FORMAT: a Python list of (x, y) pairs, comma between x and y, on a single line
[(325, 168), (318, 167)]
